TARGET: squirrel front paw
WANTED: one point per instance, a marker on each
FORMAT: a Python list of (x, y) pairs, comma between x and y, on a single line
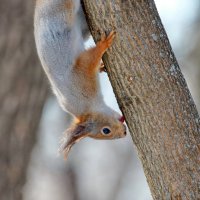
[(104, 44), (106, 41), (102, 68)]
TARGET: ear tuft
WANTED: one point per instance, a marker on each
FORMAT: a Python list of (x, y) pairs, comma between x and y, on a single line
[(71, 136)]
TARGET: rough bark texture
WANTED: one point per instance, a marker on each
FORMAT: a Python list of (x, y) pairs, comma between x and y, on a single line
[(22, 94), (152, 94)]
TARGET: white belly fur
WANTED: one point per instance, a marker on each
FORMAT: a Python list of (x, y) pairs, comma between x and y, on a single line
[(58, 45)]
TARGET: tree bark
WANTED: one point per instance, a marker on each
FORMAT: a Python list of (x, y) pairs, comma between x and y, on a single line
[(152, 94), (22, 94)]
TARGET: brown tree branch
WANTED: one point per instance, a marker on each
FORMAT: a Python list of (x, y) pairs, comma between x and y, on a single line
[(152, 94)]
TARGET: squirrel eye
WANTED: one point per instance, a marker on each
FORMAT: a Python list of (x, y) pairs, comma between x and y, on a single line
[(105, 131)]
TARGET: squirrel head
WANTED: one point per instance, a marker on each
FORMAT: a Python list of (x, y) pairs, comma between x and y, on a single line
[(97, 126)]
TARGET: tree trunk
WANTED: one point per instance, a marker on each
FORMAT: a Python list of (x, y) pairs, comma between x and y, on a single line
[(152, 94), (22, 94)]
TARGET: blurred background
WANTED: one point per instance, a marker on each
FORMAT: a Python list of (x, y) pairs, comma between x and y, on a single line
[(100, 170)]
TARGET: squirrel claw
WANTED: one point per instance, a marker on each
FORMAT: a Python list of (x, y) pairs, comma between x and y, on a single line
[(110, 38), (111, 35), (107, 41), (102, 69), (103, 37)]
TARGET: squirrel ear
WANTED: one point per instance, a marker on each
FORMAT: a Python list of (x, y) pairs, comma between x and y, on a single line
[(71, 136)]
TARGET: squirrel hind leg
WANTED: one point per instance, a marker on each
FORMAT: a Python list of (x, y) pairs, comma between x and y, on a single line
[(72, 5)]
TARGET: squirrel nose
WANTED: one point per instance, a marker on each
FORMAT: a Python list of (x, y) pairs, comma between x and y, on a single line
[(122, 119)]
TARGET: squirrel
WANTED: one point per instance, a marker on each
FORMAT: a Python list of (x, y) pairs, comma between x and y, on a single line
[(60, 30)]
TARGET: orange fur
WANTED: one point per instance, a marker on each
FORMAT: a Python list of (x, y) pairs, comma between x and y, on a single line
[(89, 60), (69, 4), (82, 118), (103, 121), (66, 7), (88, 63)]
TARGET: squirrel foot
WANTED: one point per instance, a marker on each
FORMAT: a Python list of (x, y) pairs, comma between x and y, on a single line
[(102, 68), (106, 42)]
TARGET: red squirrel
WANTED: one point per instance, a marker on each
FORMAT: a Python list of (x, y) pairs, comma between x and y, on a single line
[(60, 30)]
